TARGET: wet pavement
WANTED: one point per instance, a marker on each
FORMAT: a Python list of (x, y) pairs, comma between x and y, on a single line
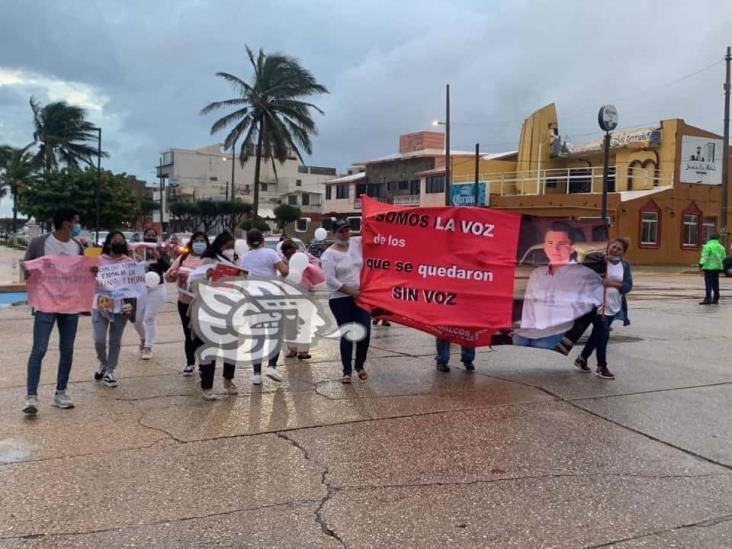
[(525, 452)]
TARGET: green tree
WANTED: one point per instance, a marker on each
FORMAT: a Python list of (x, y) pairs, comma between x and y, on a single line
[(233, 212), (76, 188), (260, 224), (18, 173), (63, 133), (185, 214), (284, 214), (269, 113)]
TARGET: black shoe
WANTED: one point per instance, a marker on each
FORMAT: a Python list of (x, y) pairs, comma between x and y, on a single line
[(375, 322), (604, 373), (715, 301), (442, 367), (581, 364), (469, 366), (705, 302), (385, 323)]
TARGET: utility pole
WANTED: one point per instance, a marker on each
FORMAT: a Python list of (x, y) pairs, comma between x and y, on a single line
[(723, 220), (162, 196), (447, 144), (477, 174), (233, 161), (98, 190)]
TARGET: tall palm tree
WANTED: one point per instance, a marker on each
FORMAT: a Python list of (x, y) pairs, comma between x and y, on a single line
[(19, 172), (269, 112), (64, 134)]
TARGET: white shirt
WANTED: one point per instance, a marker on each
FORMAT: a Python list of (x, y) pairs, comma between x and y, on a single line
[(53, 246), (554, 300), (342, 269), (260, 263), (613, 299)]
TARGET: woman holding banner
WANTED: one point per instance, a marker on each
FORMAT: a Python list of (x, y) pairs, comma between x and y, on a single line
[(158, 262), (178, 273), (342, 266), (108, 325), (618, 281)]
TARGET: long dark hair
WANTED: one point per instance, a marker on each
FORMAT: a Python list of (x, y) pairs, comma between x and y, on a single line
[(189, 245), (214, 249), (107, 247)]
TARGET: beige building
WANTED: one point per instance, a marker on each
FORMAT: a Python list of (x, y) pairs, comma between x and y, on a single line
[(207, 173)]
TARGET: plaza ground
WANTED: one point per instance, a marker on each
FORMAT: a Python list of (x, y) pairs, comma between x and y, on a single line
[(525, 452)]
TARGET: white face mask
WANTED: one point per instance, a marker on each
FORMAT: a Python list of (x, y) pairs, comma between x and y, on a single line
[(228, 254)]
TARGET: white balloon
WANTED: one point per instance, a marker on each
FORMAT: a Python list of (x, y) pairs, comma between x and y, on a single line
[(152, 279), (294, 277), (279, 246), (240, 247), (320, 233), (298, 262)]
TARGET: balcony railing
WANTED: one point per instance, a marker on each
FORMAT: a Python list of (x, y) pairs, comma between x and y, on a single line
[(568, 180), (404, 200)]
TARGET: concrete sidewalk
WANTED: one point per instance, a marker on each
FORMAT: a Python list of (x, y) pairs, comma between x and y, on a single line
[(525, 452)]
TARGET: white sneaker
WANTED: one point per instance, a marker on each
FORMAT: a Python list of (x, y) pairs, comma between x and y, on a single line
[(146, 353), (188, 370), (272, 373), (31, 405), (99, 373), (256, 379), (62, 400), (208, 394), (109, 380), (230, 388)]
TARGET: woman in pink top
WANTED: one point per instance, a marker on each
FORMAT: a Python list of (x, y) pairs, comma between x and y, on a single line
[(108, 327), (178, 272)]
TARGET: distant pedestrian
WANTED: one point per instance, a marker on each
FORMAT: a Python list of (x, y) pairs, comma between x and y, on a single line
[(712, 263), (299, 350), (62, 241), (342, 266), (107, 326), (618, 281), (442, 359)]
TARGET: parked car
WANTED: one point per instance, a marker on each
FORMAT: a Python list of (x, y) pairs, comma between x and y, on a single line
[(272, 241), (727, 266), (317, 247), (101, 238)]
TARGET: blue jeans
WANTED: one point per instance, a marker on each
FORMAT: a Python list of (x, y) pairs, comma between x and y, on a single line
[(42, 328), (346, 311), (597, 341), (548, 342), (467, 354)]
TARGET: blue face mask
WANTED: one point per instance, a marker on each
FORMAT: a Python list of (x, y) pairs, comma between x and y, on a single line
[(76, 229), (198, 247)]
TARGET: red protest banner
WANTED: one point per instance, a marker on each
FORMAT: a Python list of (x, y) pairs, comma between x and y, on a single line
[(223, 270), (447, 271)]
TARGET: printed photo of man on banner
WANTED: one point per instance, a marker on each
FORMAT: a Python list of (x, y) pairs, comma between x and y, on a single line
[(121, 288), (478, 277)]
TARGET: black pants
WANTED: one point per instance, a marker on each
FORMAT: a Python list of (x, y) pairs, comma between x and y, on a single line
[(711, 285), (207, 370), (190, 346)]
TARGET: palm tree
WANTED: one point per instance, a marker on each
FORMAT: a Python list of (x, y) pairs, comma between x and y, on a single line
[(63, 133), (19, 172), (269, 111)]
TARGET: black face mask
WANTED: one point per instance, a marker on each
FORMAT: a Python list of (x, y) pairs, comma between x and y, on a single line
[(118, 247)]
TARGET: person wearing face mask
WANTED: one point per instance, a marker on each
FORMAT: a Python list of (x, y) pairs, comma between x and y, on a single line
[(158, 262), (618, 281), (342, 264), (178, 273), (108, 327), (221, 250), (62, 241)]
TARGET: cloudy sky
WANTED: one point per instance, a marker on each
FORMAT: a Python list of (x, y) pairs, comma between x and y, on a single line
[(144, 68)]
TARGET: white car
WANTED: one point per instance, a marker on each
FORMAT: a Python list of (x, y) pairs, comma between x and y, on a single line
[(274, 240)]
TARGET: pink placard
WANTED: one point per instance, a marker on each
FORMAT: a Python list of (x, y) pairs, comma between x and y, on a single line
[(61, 284)]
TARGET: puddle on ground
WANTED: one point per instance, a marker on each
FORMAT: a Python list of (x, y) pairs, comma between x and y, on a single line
[(13, 450)]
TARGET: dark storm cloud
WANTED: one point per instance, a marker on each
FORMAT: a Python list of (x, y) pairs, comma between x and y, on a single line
[(385, 63)]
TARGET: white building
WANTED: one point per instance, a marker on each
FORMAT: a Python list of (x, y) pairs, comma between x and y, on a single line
[(207, 173)]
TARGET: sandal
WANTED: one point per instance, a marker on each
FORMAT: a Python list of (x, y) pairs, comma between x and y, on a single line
[(346, 379), (303, 356), (362, 374), (291, 354)]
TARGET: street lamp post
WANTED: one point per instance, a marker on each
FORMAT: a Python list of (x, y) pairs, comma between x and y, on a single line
[(608, 120), (233, 165), (446, 123), (98, 190), (162, 199)]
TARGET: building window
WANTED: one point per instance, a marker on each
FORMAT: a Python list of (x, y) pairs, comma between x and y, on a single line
[(298, 182), (650, 225), (404, 185), (414, 187), (328, 191), (375, 190), (301, 225), (263, 187), (709, 227), (691, 226), (292, 200), (360, 189), (354, 223), (342, 190), (306, 199), (436, 184), (213, 178), (326, 223), (167, 158), (580, 180)]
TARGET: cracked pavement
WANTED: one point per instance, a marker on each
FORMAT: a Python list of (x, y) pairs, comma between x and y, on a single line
[(525, 452)]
